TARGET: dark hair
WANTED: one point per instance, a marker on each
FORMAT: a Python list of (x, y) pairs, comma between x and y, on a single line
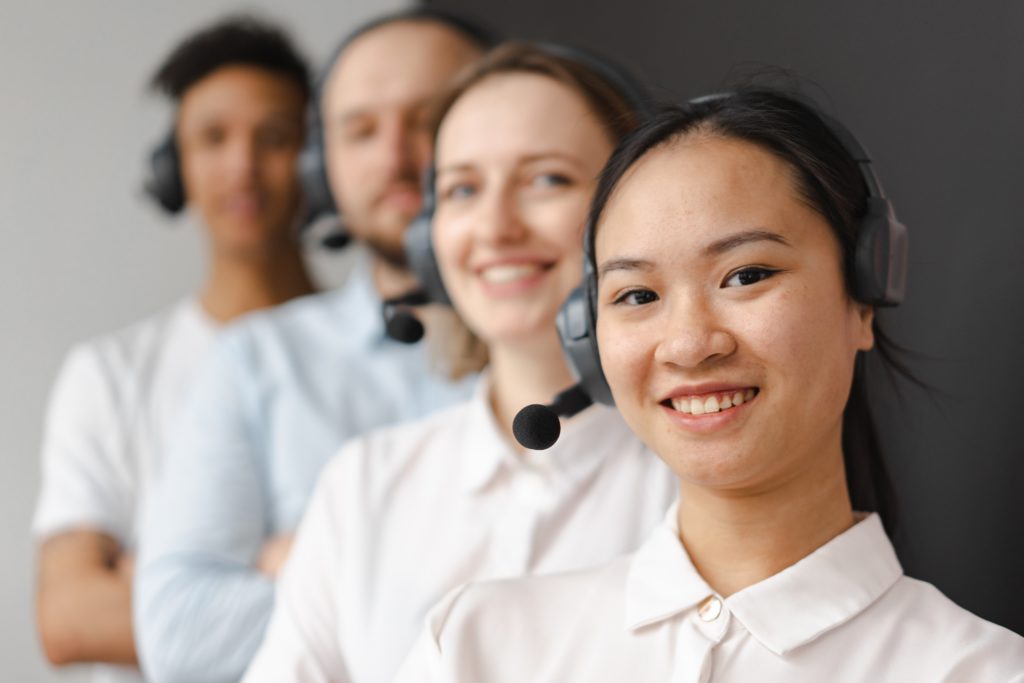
[(830, 182), (241, 40)]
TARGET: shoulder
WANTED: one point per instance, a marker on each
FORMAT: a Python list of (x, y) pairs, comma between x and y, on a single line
[(383, 455), (115, 355), (957, 642)]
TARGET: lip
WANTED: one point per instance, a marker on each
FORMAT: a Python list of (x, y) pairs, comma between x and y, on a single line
[(706, 388), (709, 422), (244, 204), (514, 287), (402, 198)]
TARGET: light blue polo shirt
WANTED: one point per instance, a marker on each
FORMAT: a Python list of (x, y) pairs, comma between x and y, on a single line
[(281, 392)]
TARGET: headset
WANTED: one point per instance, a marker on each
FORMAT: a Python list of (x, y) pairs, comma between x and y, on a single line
[(879, 279), (399, 321), (163, 178), (312, 162)]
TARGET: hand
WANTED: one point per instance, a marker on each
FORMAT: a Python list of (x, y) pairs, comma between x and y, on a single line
[(275, 552)]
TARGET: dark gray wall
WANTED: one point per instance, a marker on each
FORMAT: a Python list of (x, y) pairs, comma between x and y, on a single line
[(937, 94)]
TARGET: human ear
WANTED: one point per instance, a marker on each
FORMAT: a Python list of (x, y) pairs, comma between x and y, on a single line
[(865, 332)]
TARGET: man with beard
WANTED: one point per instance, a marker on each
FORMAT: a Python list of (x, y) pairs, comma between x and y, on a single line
[(284, 390)]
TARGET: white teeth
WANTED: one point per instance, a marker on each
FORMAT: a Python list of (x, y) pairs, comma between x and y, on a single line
[(711, 404), (682, 405), (502, 274)]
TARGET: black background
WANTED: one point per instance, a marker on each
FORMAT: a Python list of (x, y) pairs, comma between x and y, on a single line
[(936, 93)]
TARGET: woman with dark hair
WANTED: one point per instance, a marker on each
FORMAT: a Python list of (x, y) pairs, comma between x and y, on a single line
[(403, 515), (730, 316)]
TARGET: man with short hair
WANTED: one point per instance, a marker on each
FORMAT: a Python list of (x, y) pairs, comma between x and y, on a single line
[(240, 90), (284, 390)]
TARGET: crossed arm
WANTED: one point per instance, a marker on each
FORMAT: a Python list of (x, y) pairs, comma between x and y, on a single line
[(83, 599)]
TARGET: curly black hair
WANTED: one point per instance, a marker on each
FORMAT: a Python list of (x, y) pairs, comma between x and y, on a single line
[(240, 40)]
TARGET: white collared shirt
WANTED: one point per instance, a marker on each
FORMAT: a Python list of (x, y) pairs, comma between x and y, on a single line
[(403, 515), (845, 612)]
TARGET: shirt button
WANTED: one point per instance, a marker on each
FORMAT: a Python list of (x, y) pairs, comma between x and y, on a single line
[(710, 609)]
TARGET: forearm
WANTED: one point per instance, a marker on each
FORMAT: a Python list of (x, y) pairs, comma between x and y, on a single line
[(200, 622), (83, 606)]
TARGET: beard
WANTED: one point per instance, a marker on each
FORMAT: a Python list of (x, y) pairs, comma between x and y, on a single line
[(388, 251)]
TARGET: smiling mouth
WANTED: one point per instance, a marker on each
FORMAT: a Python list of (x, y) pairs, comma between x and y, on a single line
[(497, 275), (707, 404)]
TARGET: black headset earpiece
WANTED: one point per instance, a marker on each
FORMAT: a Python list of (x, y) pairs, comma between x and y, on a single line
[(312, 161), (163, 181), (880, 275)]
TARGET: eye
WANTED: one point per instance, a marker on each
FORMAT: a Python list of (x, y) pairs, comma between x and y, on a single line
[(551, 180), (213, 136), (275, 138), (635, 297), (748, 275), (457, 191), (358, 131)]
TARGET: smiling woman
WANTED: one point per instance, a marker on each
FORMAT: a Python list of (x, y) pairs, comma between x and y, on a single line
[(403, 515), (731, 311)]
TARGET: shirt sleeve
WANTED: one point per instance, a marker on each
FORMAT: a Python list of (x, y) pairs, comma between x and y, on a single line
[(301, 642), (200, 605), (86, 478)]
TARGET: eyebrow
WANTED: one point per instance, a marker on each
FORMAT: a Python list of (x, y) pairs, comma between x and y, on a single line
[(528, 159), (347, 116), (624, 264), (739, 239), (716, 248)]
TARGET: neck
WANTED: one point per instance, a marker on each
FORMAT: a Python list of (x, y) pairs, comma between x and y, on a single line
[(525, 372), (237, 285), (391, 280), (738, 539)]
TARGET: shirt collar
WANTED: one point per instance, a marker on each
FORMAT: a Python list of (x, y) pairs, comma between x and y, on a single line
[(823, 590), (662, 581), (820, 592), (570, 460)]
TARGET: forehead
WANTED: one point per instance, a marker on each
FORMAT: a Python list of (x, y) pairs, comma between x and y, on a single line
[(695, 189), (518, 114), (242, 92), (397, 64)]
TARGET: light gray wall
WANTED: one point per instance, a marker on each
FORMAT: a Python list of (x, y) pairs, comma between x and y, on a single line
[(82, 252)]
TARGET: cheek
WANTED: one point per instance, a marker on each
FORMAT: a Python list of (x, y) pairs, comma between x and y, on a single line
[(626, 361), (450, 236), (802, 335)]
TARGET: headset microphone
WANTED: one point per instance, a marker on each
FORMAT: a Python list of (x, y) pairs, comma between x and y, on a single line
[(399, 322), (537, 427)]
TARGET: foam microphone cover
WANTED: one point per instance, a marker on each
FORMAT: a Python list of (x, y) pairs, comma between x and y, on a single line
[(403, 326), (536, 427), (335, 240)]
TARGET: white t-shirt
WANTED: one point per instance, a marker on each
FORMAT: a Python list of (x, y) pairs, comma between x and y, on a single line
[(844, 613), (111, 410), (403, 515)]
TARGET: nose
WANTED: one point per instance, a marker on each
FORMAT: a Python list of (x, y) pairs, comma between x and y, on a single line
[(403, 153), (497, 220), (693, 336), (243, 153)]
